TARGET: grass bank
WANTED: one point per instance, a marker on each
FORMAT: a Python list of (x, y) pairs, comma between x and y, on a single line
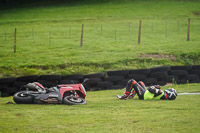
[(105, 113), (48, 36)]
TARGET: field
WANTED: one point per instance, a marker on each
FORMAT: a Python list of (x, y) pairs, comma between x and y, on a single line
[(48, 42), (48, 36), (104, 113)]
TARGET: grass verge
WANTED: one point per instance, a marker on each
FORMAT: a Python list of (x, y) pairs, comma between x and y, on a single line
[(48, 37), (105, 113)]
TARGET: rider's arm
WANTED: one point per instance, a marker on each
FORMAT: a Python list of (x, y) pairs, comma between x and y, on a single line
[(154, 90)]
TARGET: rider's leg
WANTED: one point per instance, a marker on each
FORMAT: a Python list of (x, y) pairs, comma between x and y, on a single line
[(139, 88), (128, 90), (142, 84), (133, 93)]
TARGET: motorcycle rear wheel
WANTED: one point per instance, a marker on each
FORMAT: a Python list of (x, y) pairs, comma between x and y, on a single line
[(71, 100), (23, 98)]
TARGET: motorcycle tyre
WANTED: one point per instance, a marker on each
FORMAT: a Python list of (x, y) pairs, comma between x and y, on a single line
[(66, 100), (23, 100)]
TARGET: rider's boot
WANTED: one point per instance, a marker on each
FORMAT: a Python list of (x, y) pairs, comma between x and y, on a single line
[(128, 90), (125, 96)]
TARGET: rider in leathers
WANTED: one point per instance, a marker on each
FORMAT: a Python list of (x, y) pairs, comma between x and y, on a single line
[(152, 93)]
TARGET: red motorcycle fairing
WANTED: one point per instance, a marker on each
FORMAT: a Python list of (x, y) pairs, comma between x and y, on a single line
[(73, 87)]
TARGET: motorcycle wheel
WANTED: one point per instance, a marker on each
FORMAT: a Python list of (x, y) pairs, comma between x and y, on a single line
[(23, 98), (71, 100)]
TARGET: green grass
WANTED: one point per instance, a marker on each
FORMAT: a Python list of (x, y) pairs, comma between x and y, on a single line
[(48, 37), (48, 42), (105, 113)]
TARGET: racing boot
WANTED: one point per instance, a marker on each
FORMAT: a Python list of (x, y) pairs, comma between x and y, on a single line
[(124, 97)]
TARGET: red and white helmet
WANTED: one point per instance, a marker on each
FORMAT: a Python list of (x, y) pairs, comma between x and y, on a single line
[(171, 93)]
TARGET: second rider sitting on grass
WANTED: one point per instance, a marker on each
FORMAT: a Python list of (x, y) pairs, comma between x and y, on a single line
[(152, 93)]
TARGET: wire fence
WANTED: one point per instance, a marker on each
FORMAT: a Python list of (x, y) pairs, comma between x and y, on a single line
[(136, 32)]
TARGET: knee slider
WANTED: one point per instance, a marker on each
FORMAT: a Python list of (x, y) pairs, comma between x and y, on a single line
[(132, 81), (141, 83)]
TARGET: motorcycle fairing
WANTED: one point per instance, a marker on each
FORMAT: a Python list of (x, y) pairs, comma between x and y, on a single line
[(52, 97), (73, 87)]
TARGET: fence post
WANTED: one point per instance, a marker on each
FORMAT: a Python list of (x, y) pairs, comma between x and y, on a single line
[(81, 43), (166, 30), (49, 38), (101, 29), (33, 36), (15, 40), (115, 35), (5, 35), (178, 25), (70, 32), (188, 33), (139, 34)]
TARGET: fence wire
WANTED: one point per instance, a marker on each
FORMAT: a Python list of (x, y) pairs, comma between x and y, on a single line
[(152, 31)]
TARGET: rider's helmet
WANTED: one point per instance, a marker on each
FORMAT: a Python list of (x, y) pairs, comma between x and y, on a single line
[(171, 93), (35, 86)]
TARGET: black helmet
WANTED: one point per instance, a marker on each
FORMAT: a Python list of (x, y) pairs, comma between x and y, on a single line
[(171, 93)]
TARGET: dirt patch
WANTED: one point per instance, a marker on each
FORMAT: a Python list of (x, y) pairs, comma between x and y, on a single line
[(18, 114), (197, 13), (158, 56), (9, 103)]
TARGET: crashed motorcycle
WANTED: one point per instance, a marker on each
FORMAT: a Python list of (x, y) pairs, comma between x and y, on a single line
[(35, 93)]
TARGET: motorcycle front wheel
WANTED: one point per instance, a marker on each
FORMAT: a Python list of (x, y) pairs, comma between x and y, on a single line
[(23, 98), (71, 100)]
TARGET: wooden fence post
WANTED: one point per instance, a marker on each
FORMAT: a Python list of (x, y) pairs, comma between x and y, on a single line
[(101, 29), (115, 35), (49, 38), (5, 35), (81, 43), (139, 34), (178, 25), (33, 36), (188, 33), (15, 40), (166, 30), (70, 31)]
